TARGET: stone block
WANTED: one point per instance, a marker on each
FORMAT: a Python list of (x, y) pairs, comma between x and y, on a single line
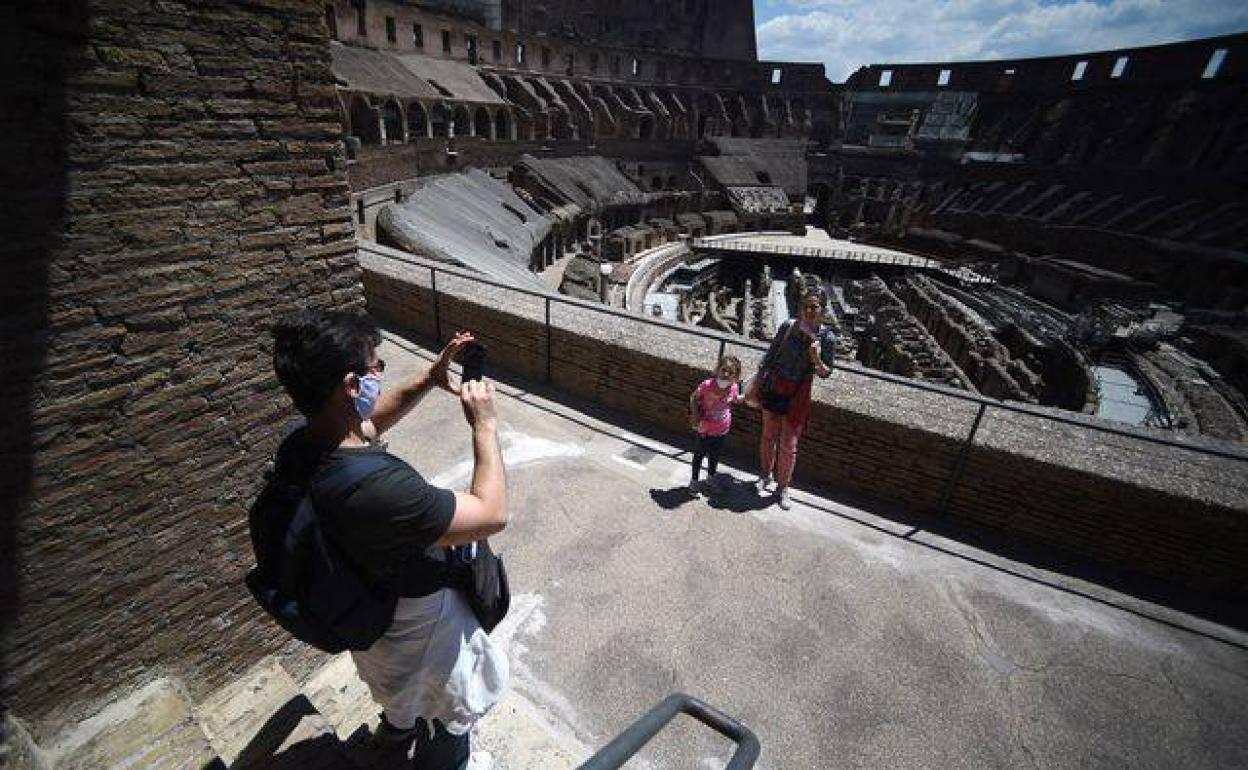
[(17, 750), (234, 715), (152, 728), (342, 697)]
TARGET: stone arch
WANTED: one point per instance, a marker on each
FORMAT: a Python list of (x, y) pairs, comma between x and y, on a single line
[(738, 119), (481, 123), (759, 119), (392, 120), (777, 109), (440, 120), (561, 126), (462, 121), (417, 120), (821, 132), (645, 127), (502, 125), (797, 108), (364, 125)]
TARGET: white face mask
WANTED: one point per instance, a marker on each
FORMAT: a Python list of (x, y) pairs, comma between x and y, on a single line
[(370, 391), (722, 382)]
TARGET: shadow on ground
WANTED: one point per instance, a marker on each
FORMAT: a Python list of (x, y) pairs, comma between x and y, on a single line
[(296, 737)]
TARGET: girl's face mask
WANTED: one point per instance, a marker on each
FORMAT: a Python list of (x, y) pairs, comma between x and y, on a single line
[(723, 382), (370, 391)]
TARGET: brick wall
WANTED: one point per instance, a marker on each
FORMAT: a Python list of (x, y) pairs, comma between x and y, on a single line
[(1142, 508), (180, 171)]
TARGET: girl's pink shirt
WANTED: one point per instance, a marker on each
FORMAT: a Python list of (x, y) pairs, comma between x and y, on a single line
[(715, 407)]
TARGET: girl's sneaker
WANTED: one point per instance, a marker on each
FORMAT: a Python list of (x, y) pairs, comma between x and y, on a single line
[(782, 498), (764, 482)]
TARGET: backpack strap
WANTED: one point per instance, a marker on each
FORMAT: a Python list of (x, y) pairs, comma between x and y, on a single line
[(342, 482)]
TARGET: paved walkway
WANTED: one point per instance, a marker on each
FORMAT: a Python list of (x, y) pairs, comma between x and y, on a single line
[(843, 639)]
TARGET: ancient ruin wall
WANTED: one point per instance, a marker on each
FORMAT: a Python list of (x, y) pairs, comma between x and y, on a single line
[(179, 187), (968, 342), (1137, 507)]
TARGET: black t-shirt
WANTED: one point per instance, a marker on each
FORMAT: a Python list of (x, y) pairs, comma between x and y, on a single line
[(387, 524)]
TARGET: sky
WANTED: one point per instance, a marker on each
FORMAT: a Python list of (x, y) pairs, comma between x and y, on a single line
[(847, 34)]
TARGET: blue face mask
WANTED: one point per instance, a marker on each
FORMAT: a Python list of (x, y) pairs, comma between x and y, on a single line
[(370, 391)]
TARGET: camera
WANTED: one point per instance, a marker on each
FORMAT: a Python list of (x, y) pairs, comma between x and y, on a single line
[(474, 362)]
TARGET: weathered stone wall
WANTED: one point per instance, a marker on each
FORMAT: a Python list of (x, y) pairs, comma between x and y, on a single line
[(180, 185), (1135, 506), (968, 342)]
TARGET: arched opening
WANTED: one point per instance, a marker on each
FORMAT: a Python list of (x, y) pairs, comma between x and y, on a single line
[(821, 132), (645, 130), (779, 116), (737, 123), (758, 118), (502, 126), (417, 121), (440, 120), (364, 124), (392, 118), (463, 123), (560, 123), (481, 122)]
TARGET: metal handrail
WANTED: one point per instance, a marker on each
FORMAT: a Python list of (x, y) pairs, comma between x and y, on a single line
[(725, 338), (626, 744)]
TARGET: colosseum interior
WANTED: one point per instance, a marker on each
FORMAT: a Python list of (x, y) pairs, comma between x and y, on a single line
[(1037, 270)]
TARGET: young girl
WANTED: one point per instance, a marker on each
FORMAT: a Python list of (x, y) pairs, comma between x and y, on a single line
[(710, 414)]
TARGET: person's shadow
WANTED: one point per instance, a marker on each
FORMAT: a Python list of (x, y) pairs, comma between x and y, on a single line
[(738, 496), (297, 737), (670, 499), (731, 494)]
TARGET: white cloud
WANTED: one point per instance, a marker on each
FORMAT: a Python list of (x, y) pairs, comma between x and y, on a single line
[(847, 34)]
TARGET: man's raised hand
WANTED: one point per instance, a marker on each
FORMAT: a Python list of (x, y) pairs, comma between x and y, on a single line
[(438, 372), (477, 399)]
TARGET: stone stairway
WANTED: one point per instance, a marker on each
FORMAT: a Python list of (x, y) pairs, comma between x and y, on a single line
[(265, 720)]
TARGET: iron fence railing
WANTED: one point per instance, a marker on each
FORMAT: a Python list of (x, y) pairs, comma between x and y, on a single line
[(983, 403), (616, 753)]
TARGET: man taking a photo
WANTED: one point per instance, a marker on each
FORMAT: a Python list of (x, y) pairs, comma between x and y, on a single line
[(434, 671)]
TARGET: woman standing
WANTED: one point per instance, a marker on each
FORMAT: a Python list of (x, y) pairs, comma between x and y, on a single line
[(801, 349)]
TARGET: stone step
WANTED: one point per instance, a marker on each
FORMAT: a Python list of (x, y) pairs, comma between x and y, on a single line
[(153, 727), (515, 736), (264, 720), (17, 749), (342, 697)]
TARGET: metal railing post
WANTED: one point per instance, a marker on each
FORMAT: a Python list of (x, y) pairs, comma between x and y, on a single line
[(437, 315), (723, 344), (958, 466), (548, 335)]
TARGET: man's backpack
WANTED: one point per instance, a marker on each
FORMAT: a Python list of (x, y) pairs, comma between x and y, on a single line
[(302, 578)]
